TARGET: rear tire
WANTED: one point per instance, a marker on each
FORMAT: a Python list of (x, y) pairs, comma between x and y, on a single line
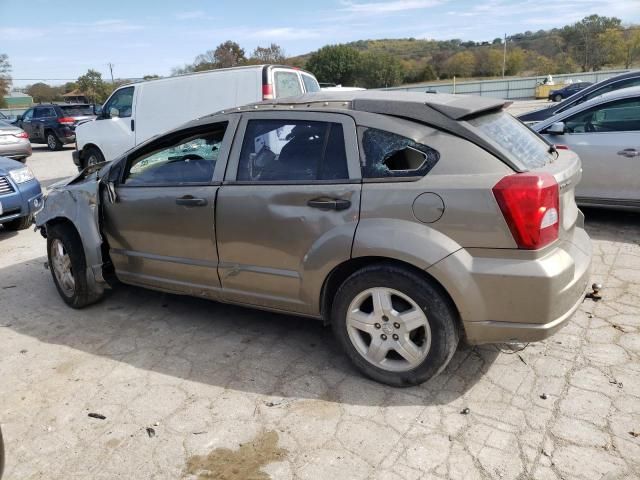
[(68, 266), (21, 223), (92, 156), (53, 142), (557, 98), (396, 326)]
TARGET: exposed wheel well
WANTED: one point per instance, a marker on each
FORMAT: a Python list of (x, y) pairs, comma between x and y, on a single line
[(340, 273), (63, 222)]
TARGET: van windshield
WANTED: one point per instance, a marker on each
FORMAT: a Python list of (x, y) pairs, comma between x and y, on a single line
[(516, 138)]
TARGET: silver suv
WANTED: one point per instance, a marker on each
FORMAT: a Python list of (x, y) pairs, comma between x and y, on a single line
[(404, 221)]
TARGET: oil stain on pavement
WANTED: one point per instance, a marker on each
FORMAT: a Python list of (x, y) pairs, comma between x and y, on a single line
[(244, 463)]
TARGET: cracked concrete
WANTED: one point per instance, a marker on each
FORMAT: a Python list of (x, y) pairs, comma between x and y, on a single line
[(214, 381)]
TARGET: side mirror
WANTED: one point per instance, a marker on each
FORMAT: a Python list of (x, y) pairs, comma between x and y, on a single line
[(19, 118), (557, 128), (97, 109)]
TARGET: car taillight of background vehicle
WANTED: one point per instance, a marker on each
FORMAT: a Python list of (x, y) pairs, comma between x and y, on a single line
[(530, 203), (559, 146), (66, 121), (21, 135), (267, 92)]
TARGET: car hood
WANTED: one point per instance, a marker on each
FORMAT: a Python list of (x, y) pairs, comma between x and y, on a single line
[(6, 165)]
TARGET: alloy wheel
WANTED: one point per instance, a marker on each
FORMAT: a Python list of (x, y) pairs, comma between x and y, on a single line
[(388, 329), (61, 264)]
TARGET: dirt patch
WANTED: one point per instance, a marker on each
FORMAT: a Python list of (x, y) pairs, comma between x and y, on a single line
[(242, 464)]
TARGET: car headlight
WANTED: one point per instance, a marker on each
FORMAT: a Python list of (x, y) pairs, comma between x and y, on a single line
[(21, 175)]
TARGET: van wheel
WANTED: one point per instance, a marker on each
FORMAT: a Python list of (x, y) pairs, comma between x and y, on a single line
[(93, 156), (68, 266), (396, 326), (21, 223), (53, 142)]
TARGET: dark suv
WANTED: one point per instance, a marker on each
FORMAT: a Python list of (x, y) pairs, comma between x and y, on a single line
[(53, 124)]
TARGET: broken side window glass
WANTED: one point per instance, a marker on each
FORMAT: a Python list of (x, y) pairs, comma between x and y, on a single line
[(388, 154)]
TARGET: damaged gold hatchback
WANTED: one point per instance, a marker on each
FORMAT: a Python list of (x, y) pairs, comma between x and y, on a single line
[(403, 220)]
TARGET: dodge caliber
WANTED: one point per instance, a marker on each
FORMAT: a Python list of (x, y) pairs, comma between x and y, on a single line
[(406, 221)]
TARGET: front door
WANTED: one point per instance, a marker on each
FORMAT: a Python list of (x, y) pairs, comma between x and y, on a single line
[(114, 129), (42, 118), (161, 225), (288, 209), (607, 139)]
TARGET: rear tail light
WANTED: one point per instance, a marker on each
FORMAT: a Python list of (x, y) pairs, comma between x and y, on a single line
[(561, 147), (21, 135), (530, 204), (267, 92), (66, 121)]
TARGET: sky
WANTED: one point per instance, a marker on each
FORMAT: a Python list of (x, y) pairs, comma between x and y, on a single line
[(51, 41)]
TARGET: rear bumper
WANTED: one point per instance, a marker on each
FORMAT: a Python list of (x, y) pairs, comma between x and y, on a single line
[(514, 296), (16, 150)]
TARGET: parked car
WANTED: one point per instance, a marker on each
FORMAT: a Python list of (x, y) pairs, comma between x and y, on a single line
[(20, 195), (605, 133), (624, 80), (404, 220), (54, 124), (8, 118), (14, 142), (134, 113), (567, 91)]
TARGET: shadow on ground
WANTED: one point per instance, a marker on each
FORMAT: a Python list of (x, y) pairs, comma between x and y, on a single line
[(213, 343), (612, 225)]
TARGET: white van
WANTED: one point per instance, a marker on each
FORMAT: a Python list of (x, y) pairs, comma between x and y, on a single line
[(136, 112)]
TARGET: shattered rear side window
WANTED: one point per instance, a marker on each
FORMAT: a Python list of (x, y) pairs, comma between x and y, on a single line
[(387, 154)]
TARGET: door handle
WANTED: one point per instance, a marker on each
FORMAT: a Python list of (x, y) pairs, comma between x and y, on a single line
[(133, 125), (329, 203), (191, 201), (629, 153)]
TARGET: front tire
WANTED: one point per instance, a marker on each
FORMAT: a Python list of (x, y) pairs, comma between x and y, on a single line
[(396, 326), (68, 266), (557, 98), (93, 156), (53, 142)]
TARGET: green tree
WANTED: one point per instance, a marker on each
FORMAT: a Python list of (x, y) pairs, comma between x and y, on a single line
[(582, 40), (336, 64), (378, 70), (611, 47), (69, 87), (227, 54), (5, 78), (273, 54), (631, 46), (151, 77), (43, 93), (515, 61), (462, 64), (93, 87), (488, 62)]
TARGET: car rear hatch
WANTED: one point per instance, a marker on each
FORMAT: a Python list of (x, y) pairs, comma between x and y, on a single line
[(74, 115), (538, 200)]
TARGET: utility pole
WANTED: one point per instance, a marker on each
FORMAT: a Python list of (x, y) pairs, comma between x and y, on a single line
[(504, 55), (111, 70)]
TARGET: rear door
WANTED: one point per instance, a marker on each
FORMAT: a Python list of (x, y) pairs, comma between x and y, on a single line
[(607, 139), (161, 227), (288, 209), (286, 82), (41, 117)]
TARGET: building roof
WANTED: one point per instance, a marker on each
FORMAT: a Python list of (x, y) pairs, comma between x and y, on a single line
[(74, 93)]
